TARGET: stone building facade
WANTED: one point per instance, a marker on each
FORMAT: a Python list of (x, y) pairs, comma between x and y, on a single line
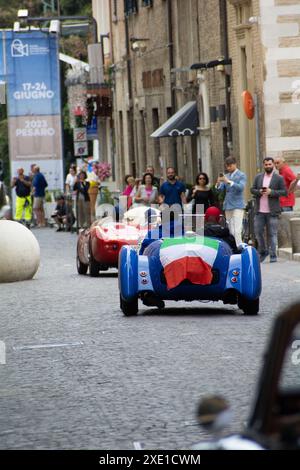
[(100, 91), (154, 44), (264, 44), (280, 25), (246, 52)]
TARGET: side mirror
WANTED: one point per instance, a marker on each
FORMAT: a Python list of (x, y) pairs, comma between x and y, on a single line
[(214, 413)]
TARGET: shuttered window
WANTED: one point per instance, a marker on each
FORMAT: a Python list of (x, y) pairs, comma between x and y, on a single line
[(130, 6)]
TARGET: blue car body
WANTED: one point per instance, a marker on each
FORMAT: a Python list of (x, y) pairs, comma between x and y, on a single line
[(236, 279)]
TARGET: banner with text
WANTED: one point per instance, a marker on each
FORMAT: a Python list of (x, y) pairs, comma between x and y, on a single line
[(34, 104)]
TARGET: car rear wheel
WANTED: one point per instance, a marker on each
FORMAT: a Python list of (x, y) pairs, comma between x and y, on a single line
[(93, 265), (81, 268), (103, 267), (249, 307), (129, 307)]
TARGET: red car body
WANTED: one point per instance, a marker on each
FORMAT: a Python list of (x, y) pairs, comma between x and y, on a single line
[(98, 246)]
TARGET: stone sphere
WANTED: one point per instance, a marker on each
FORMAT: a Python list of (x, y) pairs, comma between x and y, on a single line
[(19, 252)]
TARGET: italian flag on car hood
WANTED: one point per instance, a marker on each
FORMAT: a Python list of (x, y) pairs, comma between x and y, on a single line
[(188, 258)]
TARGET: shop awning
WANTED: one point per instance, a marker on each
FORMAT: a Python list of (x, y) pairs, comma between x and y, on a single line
[(184, 123)]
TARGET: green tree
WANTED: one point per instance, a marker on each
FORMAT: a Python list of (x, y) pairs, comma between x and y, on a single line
[(9, 10), (75, 46)]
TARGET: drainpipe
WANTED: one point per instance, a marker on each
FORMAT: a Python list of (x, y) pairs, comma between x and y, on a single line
[(130, 94), (127, 43), (225, 53), (171, 65), (203, 140)]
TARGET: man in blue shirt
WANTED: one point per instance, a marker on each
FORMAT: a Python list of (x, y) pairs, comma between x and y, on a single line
[(233, 182), (39, 185), (172, 196), (172, 191)]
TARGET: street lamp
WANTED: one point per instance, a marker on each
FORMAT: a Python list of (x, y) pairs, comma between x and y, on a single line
[(23, 15)]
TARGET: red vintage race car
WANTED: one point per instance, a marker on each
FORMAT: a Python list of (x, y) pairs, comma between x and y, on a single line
[(98, 246)]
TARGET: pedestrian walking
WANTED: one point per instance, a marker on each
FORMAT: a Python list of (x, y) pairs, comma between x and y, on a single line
[(267, 189), (22, 184), (39, 185), (233, 183), (287, 203)]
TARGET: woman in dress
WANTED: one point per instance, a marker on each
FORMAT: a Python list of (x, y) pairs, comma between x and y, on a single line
[(201, 194)]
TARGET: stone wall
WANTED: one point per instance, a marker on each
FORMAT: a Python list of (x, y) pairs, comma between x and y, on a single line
[(280, 25), (196, 37)]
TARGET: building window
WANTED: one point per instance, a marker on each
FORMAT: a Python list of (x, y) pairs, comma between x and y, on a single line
[(147, 3), (130, 6), (243, 13), (115, 10)]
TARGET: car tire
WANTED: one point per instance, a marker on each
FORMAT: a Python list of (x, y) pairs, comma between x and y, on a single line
[(103, 267), (81, 268), (93, 265), (249, 307), (129, 307)]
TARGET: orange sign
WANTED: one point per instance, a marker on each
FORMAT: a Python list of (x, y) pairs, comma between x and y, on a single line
[(248, 104)]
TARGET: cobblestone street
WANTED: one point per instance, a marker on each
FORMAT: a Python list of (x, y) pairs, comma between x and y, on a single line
[(79, 374)]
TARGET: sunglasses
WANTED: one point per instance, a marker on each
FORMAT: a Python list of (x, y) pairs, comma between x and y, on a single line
[(201, 178)]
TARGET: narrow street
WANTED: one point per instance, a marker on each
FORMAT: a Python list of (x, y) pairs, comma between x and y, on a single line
[(80, 375)]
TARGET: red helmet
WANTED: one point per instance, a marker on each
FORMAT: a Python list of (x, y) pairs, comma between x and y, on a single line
[(213, 212)]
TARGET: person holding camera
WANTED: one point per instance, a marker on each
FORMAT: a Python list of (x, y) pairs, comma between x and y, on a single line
[(233, 182), (63, 215), (267, 188)]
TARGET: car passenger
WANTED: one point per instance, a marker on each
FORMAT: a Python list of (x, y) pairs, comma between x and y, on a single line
[(213, 228)]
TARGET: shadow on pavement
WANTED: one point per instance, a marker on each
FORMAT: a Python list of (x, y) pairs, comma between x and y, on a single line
[(202, 311)]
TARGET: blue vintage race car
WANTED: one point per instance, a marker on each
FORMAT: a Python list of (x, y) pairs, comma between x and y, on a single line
[(189, 267)]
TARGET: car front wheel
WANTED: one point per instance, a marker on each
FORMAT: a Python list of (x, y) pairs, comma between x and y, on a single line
[(129, 307), (249, 307)]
